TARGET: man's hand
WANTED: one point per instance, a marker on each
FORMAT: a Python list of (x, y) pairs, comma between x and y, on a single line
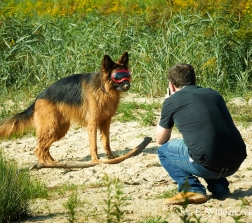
[(168, 93)]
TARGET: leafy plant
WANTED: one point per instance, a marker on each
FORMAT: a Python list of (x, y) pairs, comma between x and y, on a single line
[(249, 168), (244, 202), (72, 203), (238, 218), (115, 202)]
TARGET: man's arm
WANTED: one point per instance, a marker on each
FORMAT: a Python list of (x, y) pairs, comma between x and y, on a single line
[(162, 134)]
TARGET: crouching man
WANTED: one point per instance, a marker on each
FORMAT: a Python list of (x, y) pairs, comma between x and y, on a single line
[(212, 148)]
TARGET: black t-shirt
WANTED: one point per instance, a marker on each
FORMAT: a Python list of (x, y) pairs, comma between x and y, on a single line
[(201, 116)]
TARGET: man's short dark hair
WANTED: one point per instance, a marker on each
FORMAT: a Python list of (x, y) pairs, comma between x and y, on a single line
[(182, 74)]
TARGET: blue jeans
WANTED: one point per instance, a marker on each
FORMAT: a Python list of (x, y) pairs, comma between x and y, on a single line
[(174, 157)]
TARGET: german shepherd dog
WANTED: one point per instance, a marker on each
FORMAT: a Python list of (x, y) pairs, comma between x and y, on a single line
[(89, 99)]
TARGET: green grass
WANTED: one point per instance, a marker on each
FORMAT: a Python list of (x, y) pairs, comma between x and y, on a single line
[(37, 50), (62, 189), (17, 191), (153, 220), (113, 206), (241, 114), (144, 113), (168, 194)]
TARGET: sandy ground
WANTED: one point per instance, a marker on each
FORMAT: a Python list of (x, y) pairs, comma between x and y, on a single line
[(142, 178)]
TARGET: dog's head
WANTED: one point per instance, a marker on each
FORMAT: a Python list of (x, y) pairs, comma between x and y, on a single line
[(118, 73)]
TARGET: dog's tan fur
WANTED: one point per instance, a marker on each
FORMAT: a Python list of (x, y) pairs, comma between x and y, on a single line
[(99, 101)]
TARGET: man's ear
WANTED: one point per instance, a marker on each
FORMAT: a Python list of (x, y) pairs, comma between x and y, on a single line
[(124, 59), (107, 63), (172, 87)]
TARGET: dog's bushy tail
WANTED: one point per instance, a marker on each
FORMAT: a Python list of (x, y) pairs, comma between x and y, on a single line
[(18, 123)]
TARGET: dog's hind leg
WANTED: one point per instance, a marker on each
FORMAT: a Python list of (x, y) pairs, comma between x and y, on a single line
[(50, 127), (62, 129), (104, 128), (42, 151), (46, 136)]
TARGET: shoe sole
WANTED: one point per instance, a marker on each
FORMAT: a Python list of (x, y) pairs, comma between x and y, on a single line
[(194, 200), (222, 198)]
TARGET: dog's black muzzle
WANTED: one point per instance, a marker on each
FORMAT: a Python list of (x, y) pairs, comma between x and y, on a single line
[(124, 86)]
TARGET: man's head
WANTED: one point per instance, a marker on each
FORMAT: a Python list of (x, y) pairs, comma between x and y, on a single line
[(182, 74)]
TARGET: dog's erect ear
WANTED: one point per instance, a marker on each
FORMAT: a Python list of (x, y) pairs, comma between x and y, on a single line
[(124, 59), (107, 63)]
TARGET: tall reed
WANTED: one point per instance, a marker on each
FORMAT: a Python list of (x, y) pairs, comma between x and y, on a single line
[(37, 49)]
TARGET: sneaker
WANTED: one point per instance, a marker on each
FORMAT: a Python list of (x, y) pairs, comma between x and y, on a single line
[(186, 197), (221, 193)]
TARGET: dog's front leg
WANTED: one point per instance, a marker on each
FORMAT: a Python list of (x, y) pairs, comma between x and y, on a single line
[(92, 135), (104, 128)]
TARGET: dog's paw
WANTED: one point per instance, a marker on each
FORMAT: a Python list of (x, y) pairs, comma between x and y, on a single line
[(55, 161), (95, 160), (111, 156)]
